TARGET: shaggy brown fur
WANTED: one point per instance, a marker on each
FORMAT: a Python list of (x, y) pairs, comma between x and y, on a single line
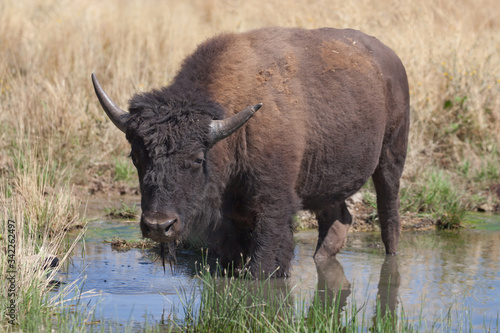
[(336, 111)]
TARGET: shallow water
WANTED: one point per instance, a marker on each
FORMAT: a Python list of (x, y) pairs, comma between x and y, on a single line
[(444, 270)]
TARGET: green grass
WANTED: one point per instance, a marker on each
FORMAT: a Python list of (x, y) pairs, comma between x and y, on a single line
[(489, 172), (125, 171), (124, 211), (436, 195), (227, 304), (482, 221)]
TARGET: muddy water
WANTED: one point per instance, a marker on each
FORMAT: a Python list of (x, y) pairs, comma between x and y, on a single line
[(441, 270)]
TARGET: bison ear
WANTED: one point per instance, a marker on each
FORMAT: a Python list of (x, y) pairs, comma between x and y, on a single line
[(117, 115), (220, 129)]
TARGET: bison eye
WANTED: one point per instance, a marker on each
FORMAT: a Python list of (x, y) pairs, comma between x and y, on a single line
[(196, 160)]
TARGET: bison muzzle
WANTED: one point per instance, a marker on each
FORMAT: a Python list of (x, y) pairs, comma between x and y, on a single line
[(335, 111)]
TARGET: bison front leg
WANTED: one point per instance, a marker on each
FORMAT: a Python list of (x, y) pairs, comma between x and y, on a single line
[(333, 225), (272, 239), (231, 245)]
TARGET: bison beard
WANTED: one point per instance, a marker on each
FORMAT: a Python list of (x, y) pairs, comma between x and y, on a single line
[(335, 112), (171, 254)]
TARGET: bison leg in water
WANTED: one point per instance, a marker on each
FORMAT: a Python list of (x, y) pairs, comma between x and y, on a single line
[(232, 249), (272, 250), (333, 225), (272, 244), (386, 180), (387, 204), (269, 249)]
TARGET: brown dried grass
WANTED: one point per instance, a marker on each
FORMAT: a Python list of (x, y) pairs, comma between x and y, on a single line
[(49, 49), (37, 209)]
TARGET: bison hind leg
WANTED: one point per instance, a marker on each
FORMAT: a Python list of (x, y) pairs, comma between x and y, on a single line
[(333, 225), (386, 179)]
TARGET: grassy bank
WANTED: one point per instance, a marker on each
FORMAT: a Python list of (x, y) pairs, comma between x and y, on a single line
[(37, 210)]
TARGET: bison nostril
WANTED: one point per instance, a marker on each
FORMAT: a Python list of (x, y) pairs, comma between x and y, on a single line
[(158, 224), (167, 225)]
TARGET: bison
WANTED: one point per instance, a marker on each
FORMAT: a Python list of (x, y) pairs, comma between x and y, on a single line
[(335, 111)]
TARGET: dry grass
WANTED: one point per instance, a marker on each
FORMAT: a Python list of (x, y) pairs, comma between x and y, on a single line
[(49, 49), (37, 209), (450, 50)]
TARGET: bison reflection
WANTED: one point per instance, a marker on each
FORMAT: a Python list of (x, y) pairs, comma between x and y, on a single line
[(334, 289), (336, 111)]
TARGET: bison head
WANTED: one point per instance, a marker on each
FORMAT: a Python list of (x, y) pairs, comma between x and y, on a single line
[(171, 139)]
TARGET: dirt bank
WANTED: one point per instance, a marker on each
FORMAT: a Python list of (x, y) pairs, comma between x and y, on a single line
[(101, 194)]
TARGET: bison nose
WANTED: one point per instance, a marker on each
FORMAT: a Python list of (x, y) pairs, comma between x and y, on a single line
[(158, 223)]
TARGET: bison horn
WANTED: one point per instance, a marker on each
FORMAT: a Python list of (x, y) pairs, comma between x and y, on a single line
[(220, 129), (117, 115)]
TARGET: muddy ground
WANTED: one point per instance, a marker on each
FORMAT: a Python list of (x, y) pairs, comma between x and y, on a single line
[(364, 217), (101, 193)]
